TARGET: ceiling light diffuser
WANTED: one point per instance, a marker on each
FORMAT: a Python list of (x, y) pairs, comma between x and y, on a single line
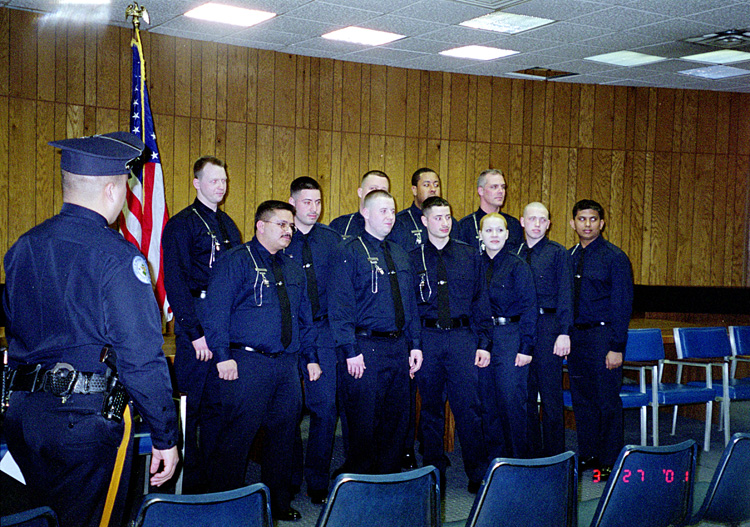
[(715, 72), (721, 56), (508, 23), (626, 58), (360, 35), (478, 52), (227, 14)]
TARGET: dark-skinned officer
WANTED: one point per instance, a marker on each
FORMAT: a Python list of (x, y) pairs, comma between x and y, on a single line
[(258, 320), (456, 338), (75, 286), (193, 241)]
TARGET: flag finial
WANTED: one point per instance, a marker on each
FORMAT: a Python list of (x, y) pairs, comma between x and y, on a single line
[(137, 12)]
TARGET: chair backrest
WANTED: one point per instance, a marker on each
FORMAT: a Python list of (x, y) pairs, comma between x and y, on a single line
[(544, 493), (728, 497), (702, 343), (39, 517), (650, 486), (644, 345), (739, 337), (247, 506), (395, 500)]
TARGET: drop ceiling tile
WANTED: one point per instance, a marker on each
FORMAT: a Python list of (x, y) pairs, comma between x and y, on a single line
[(442, 11), (460, 35), (419, 45), (557, 9), (403, 25), (333, 14), (730, 16), (211, 30), (566, 32), (272, 46), (385, 6), (675, 8), (493, 69), (297, 26), (257, 34), (335, 46), (677, 29), (619, 18), (378, 55)]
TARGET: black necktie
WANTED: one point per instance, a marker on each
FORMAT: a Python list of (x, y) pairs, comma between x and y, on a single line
[(528, 256), (312, 281), (398, 306), (490, 268), (443, 298), (286, 310), (577, 283)]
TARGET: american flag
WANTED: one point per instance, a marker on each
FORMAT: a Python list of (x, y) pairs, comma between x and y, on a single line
[(145, 212)]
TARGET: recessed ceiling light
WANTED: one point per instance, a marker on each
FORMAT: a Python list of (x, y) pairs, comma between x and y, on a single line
[(626, 58), (716, 72), (227, 14), (478, 52), (360, 35), (509, 23), (722, 56)]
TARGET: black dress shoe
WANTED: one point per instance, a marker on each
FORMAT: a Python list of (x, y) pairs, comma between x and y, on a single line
[(474, 486), (289, 515), (409, 460), (588, 464), (318, 497)]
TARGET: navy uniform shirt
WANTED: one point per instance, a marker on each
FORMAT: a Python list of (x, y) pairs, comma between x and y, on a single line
[(512, 293), (605, 289), (193, 240), (323, 241), (409, 231), (362, 295), (550, 263), (242, 307), (74, 286), (468, 230), (349, 225), (467, 293)]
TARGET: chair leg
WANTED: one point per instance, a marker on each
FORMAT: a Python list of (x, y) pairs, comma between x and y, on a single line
[(644, 426), (655, 424), (709, 416), (674, 419), (726, 417)]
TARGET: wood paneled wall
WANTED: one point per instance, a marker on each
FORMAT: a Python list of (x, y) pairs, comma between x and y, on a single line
[(670, 166)]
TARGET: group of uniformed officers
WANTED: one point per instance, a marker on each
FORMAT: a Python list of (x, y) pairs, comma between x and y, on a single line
[(367, 311)]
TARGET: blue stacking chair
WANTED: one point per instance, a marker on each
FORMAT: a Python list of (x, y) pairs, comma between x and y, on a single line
[(726, 499), (245, 507), (39, 517), (704, 348), (408, 499), (650, 486), (739, 340), (541, 492)]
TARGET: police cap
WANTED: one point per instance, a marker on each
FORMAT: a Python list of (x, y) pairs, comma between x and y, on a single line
[(100, 155)]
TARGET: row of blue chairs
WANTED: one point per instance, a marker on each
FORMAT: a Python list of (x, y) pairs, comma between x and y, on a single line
[(705, 348)]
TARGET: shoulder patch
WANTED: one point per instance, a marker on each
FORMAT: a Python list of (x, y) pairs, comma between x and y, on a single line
[(140, 270)]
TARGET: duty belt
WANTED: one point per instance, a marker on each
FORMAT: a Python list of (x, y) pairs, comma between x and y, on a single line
[(547, 310), (198, 293), (61, 381), (504, 321), (241, 347), (364, 332), (454, 323)]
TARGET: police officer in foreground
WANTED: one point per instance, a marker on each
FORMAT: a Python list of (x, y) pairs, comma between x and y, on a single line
[(550, 264), (602, 305), (375, 325), (74, 287), (312, 247), (454, 309), (258, 320), (193, 241)]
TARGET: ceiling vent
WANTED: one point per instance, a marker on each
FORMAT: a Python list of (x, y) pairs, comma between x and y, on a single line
[(491, 4), (729, 39)]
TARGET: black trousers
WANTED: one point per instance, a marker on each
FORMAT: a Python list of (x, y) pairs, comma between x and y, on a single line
[(268, 394), (377, 406), (545, 383), (320, 399), (449, 366), (66, 453), (596, 396)]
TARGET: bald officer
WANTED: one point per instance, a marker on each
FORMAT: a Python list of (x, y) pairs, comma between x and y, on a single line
[(74, 287)]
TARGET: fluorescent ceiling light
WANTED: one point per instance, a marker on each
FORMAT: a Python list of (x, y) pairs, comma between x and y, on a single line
[(509, 23), (716, 72), (478, 52), (626, 58), (360, 35), (227, 14), (722, 56)]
